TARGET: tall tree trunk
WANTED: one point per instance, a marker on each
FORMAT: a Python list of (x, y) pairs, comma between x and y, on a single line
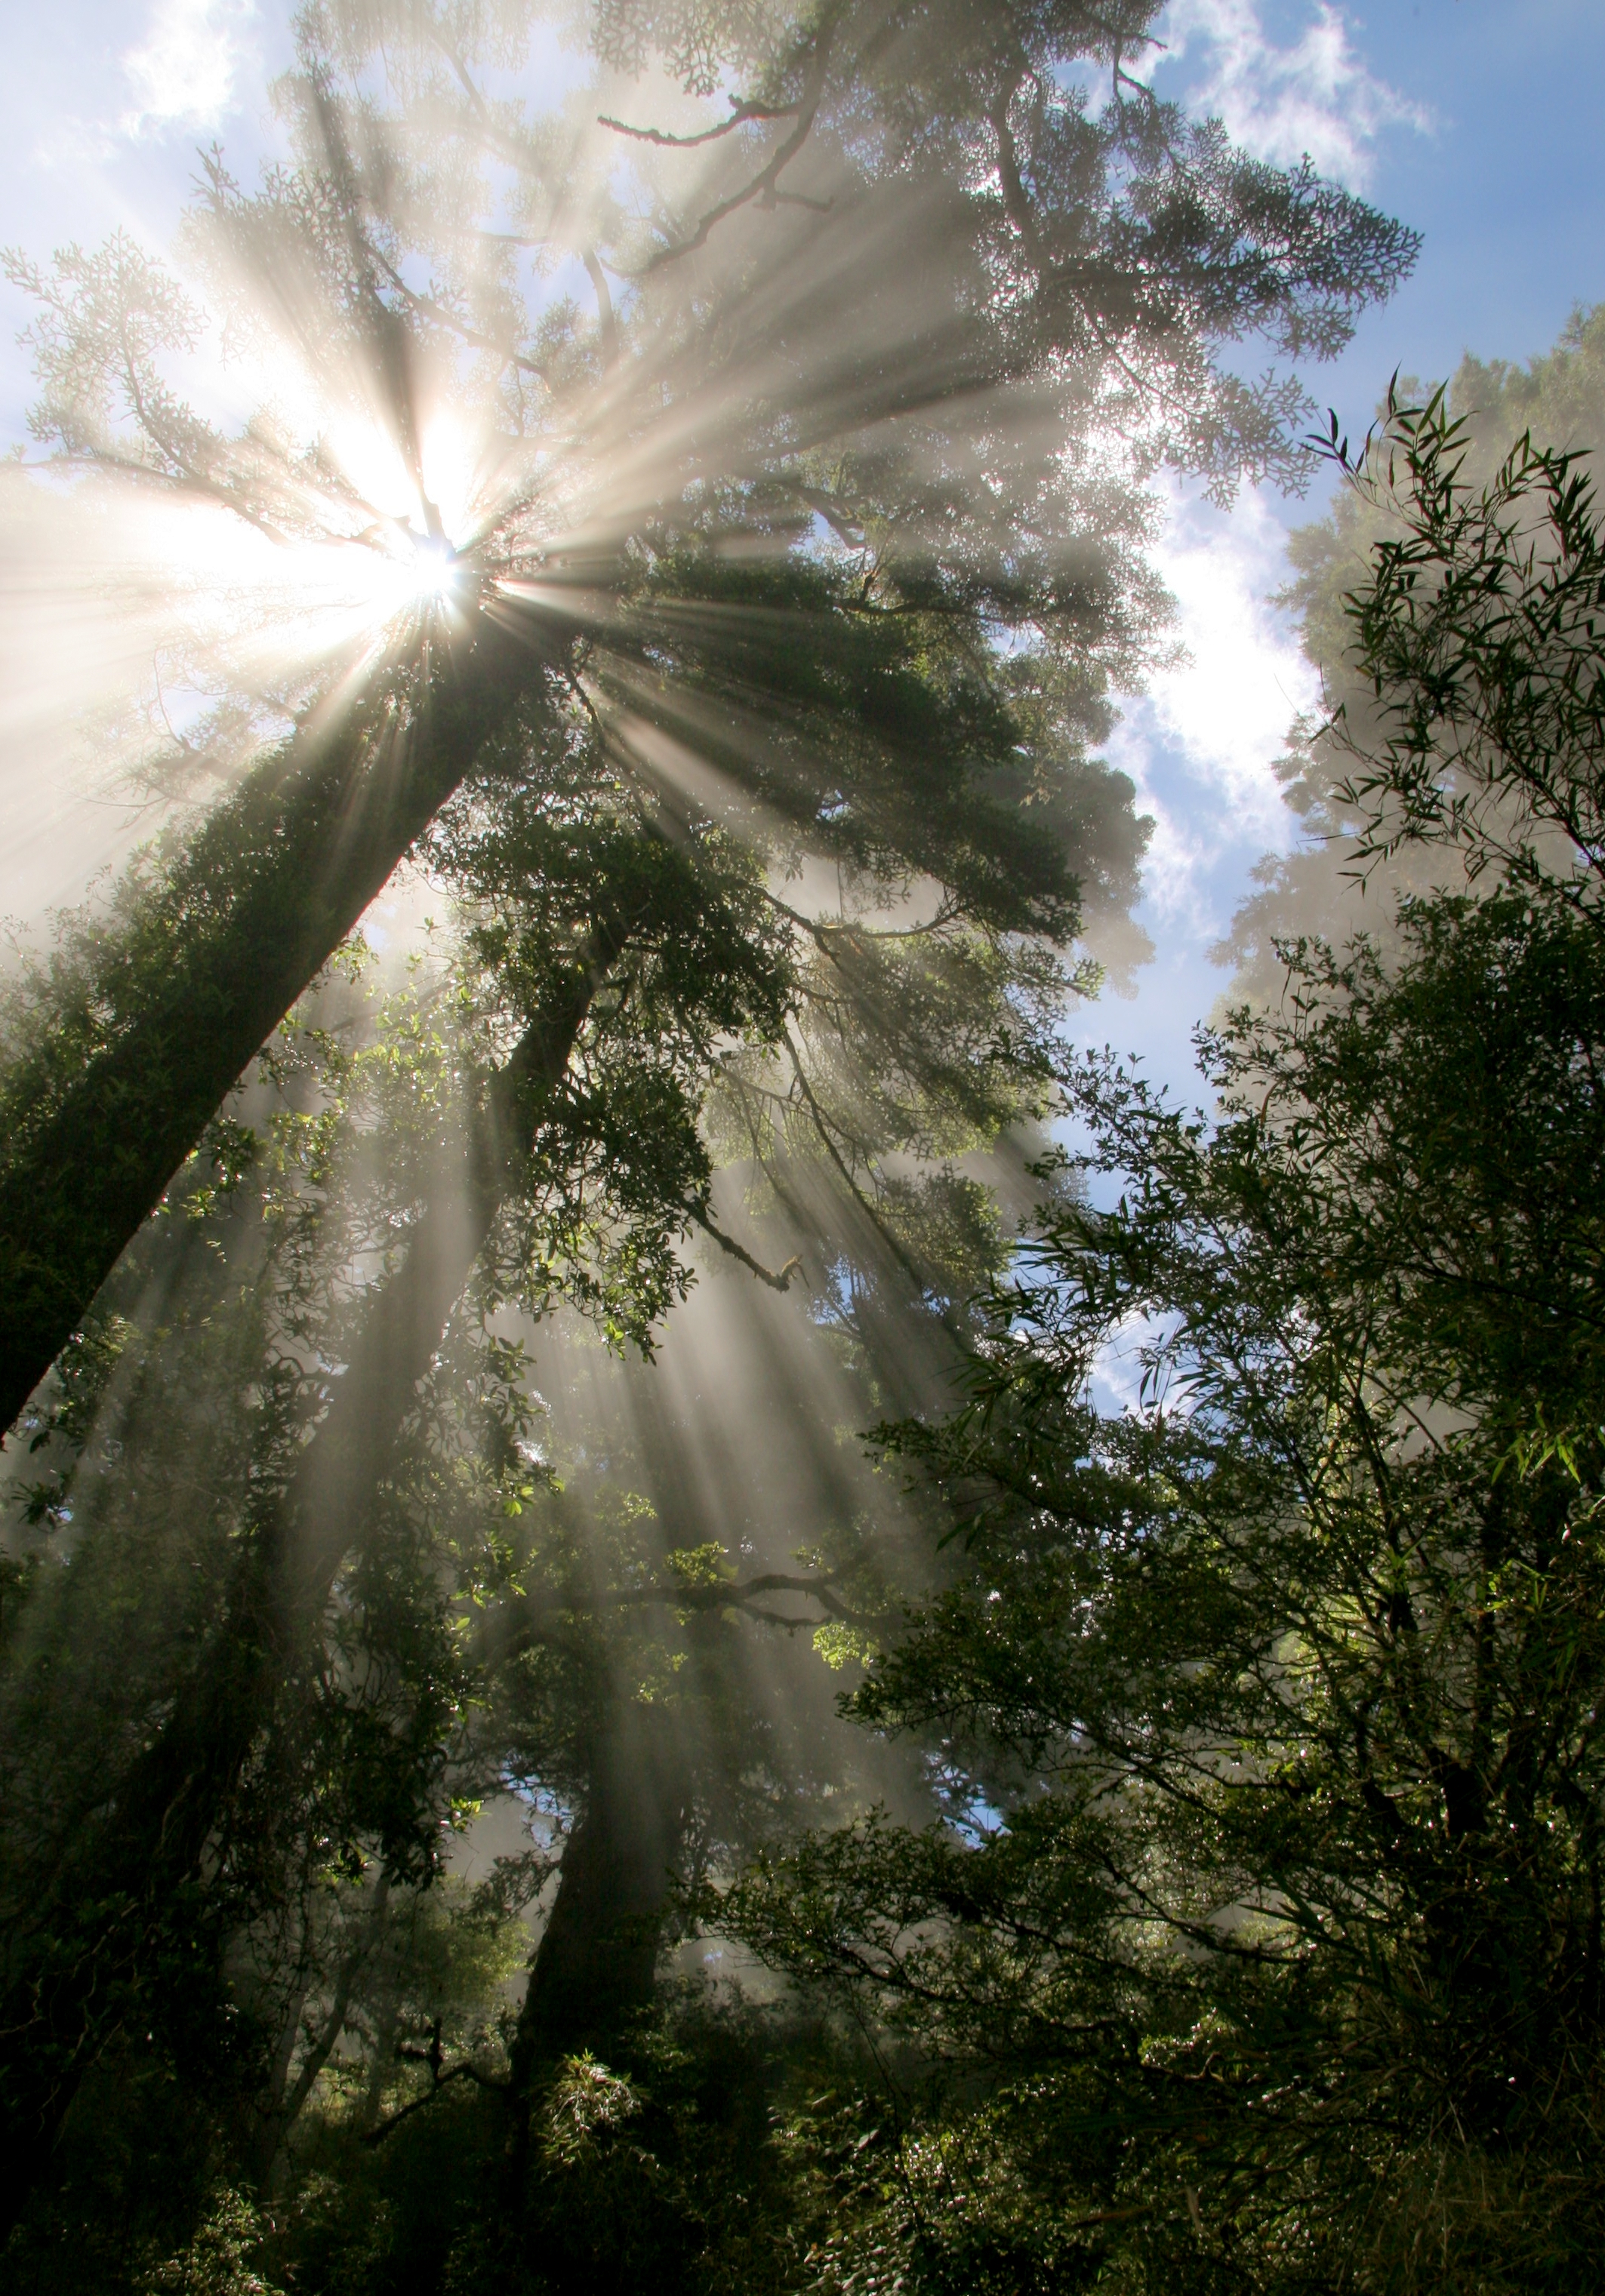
[(595, 1964), (168, 1811), (386, 2031), (205, 963)]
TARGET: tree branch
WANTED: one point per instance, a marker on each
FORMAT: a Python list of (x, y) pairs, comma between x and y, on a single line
[(762, 186), (605, 319), (434, 2057), (780, 1282), (743, 113), (444, 316)]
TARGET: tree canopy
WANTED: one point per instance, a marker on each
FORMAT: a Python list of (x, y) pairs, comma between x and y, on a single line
[(1260, 1940), (753, 394)]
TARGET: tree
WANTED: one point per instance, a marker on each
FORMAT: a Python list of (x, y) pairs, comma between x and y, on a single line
[(1262, 1941), (1556, 402), (1088, 279), (767, 560), (535, 1131)]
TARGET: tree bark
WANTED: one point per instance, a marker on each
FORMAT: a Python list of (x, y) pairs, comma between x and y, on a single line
[(202, 972), (595, 1964)]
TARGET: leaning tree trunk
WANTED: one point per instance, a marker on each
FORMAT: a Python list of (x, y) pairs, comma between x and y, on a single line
[(205, 963), (166, 1812), (281, 2107)]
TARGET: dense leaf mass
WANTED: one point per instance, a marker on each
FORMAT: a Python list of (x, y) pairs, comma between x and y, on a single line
[(1262, 1940)]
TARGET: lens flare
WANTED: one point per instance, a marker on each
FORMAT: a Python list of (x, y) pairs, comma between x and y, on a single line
[(434, 573)]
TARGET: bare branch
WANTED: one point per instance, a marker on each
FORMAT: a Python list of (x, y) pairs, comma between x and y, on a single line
[(433, 2056), (465, 2072), (762, 186), (743, 113), (780, 1282), (605, 319)]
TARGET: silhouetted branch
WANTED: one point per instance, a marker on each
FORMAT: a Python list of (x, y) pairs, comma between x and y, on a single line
[(780, 1282), (762, 186), (433, 2056), (743, 113)]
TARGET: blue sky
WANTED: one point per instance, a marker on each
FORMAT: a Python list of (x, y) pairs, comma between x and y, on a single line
[(1476, 120)]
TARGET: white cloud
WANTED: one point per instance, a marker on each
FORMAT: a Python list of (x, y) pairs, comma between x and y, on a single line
[(1316, 95), (1201, 743), (1117, 1373), (185, 73)]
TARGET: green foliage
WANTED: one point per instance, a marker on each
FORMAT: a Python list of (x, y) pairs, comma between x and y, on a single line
[(1261, 1942), (1479, 633), (1268, 1702), (1486, 483), (219, 2259)]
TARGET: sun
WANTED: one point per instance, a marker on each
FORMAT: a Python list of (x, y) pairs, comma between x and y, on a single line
[(435, 572)]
